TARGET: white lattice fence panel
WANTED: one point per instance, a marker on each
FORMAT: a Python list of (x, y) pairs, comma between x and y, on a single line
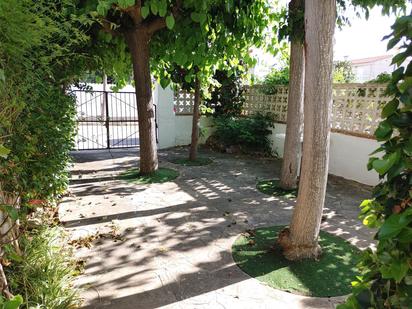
[(357, 107), (183, 102), (256, 101)]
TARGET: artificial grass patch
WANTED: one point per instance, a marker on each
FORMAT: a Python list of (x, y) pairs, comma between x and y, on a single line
[(160, 176), (272, 187), (197, 162), (258, 256)]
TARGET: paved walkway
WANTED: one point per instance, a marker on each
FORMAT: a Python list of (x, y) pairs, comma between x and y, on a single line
[(170, 244)]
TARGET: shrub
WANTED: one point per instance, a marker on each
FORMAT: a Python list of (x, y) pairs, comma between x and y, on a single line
[(342, 72), (386, 273), (44, 274), (277, 77), (382, 78), (249, 133), (227, 100)]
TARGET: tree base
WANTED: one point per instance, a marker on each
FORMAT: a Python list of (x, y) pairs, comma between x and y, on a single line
[(296, 252)]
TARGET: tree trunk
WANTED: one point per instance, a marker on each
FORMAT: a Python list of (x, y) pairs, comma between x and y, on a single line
[(301, 239), (138, 42), (8, 234), (292, 149), (195, 123)]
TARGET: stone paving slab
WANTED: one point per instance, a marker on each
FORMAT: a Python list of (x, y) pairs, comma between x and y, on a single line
[(175, 238)]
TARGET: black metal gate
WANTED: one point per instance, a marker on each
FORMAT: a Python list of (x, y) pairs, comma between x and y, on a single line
[(106, 120)]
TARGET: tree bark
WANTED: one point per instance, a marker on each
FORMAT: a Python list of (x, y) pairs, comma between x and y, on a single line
[(292, 150), (9, 232), (138, 41), (300, 240), (195, 123)]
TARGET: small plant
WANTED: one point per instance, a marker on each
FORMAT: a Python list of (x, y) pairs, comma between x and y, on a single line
[(250, 134), (44, 274)]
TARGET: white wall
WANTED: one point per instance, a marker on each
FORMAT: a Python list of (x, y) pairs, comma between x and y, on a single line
[(184, 129), (366, 72), (348, 155), (166, 119)]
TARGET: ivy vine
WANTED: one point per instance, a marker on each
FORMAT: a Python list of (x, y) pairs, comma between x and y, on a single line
[(386, 273)]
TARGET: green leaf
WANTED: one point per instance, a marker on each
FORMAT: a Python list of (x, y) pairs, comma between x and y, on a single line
[(4, 152), (102, 8), (351, 303), (396, 270), (390, 108), (384, 164), (195, 17), (384, 131), (15, 257), (162, 8), (405, 85), (405, 236), (370, 220), (145, 10), (11, 211), (2, 76), (170, 22), (126, 3), (380, 149), (393, 225), (188, 78), (164, 83), (396, 170), (408, 147), (154, 7), (13, 303)]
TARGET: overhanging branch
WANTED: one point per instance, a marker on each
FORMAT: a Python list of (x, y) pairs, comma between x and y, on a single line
[(160, 22)]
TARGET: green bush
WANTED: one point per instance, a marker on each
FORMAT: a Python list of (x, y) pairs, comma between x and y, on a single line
[(249, 133), (44, 274), (385, 279), (277, 77), (342, 72), (382, 78), (227, 100), (39, 61)]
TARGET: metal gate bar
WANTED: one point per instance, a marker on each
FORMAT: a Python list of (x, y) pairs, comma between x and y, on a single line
[(107, 120)]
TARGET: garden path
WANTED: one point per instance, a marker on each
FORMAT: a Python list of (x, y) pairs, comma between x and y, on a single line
[(168, 245)]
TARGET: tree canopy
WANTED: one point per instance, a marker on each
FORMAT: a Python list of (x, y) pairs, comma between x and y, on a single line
[(195, 33)]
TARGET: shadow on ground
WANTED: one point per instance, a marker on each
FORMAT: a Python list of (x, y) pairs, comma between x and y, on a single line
[(176, 245)]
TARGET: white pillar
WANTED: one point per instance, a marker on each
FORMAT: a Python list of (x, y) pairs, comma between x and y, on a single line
[(163, 99)]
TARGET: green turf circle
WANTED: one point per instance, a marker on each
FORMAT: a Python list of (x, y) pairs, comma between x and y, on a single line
[(197, 162), (272, 187), (160, 176), (258, 256)]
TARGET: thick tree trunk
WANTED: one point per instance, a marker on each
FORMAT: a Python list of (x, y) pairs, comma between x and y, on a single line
[(138, 42), (293, 149), (195, 123), (301, 239)]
